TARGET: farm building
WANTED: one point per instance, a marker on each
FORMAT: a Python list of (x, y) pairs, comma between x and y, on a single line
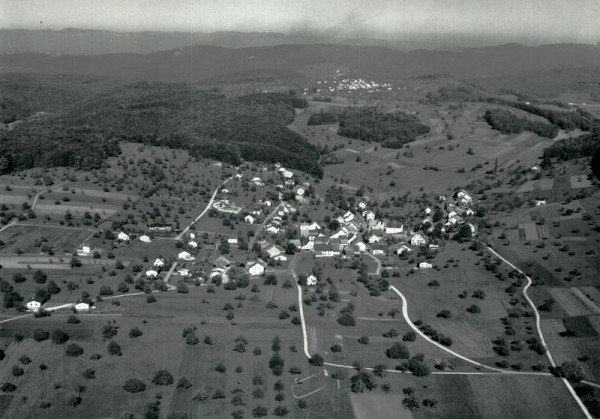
[(33, 305), (311, 281), (158, 262), (84, 251), (222, 262), (185, 256), (256, 268), (82, 307), (145, 239), (151, 273), (425, 265), (193, 244), (124, 237), (417, 240), (249, 219)]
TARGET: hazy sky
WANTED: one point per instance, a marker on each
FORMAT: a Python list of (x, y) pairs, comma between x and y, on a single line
[(547, 20)]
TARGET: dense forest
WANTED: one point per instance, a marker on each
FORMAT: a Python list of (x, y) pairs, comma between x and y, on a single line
[(567, 120), (508, 123), (82, 134), (574, 148), (393, 130)]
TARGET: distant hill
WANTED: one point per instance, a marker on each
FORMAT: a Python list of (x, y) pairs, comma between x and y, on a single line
[(199, 63), (99, 42)]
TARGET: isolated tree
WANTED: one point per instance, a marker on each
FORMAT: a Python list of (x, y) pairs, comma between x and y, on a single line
[(571, 371), (135, 332), (397, 351), (114, 348), (73, 350), (59, 336), (163, 378), (133, 385), (40, 335)]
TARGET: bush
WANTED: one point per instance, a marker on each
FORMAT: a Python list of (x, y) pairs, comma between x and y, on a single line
[(163, 378), (316, 360), (8, 387), (346, 319), (397, 351), (17, 371), (114, 348), (59, 336), (40, 335), (73, 350), (133, 385), (409, 337), (135, 333), (183, 383), (73, 319)]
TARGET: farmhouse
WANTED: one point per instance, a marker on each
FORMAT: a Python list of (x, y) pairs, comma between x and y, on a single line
[(274, 251), (417, 240), (185, 256), (311, 281), (183, 272), (82, 307), (84, 251), (256, 268), (163, 228), (463, 197), (145, 239), (309, 230), (233, 241), (425, 265), (193, 244), (123, 237), (222, 262), (249, 219), (159, 262), (326, 251), (33, 305), (377, 250), (403, 249), (271, 229), (394, 228), (373, 238), (151, 273), (361, 246)]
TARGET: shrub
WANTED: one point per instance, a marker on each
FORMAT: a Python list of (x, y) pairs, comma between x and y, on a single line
[(40, 335), (316, 360), (133, 385), (73, 319), (8, 387), (59, 336), (17, 371), (73, 350), (114, 348), (409, 337), (346, 319), (397, 351), (163, 378), (183, 383)]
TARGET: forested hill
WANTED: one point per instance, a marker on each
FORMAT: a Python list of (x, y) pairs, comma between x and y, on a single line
[(206, 123)]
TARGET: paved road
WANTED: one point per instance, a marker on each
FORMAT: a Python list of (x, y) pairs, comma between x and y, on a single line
[(212, 199), (539, 330)]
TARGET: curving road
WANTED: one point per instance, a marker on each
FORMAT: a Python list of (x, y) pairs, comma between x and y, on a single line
[(212, 199), (539, 329)]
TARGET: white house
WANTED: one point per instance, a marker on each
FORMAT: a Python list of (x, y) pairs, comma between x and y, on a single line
[(233, 241), (82, 307), (151, 273), (361, 205), (464, 198), (373, 238), (311, 281), (123, 237), (378, 251), (159, 262), (273, 251), (369, 215), (249, 219), (427, 211), (540, 202), (341, 232), (193, 244), (33, 305), (348, 217), (183, 272), (84, 251), (417, 240), (271, 229), (185, 256), (425, 265), (256, 268), (394, 228), (145, 239), (361, 246), (403, 249), (300, 192)]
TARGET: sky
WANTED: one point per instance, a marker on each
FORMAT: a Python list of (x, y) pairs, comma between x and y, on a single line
[(542, 20)]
